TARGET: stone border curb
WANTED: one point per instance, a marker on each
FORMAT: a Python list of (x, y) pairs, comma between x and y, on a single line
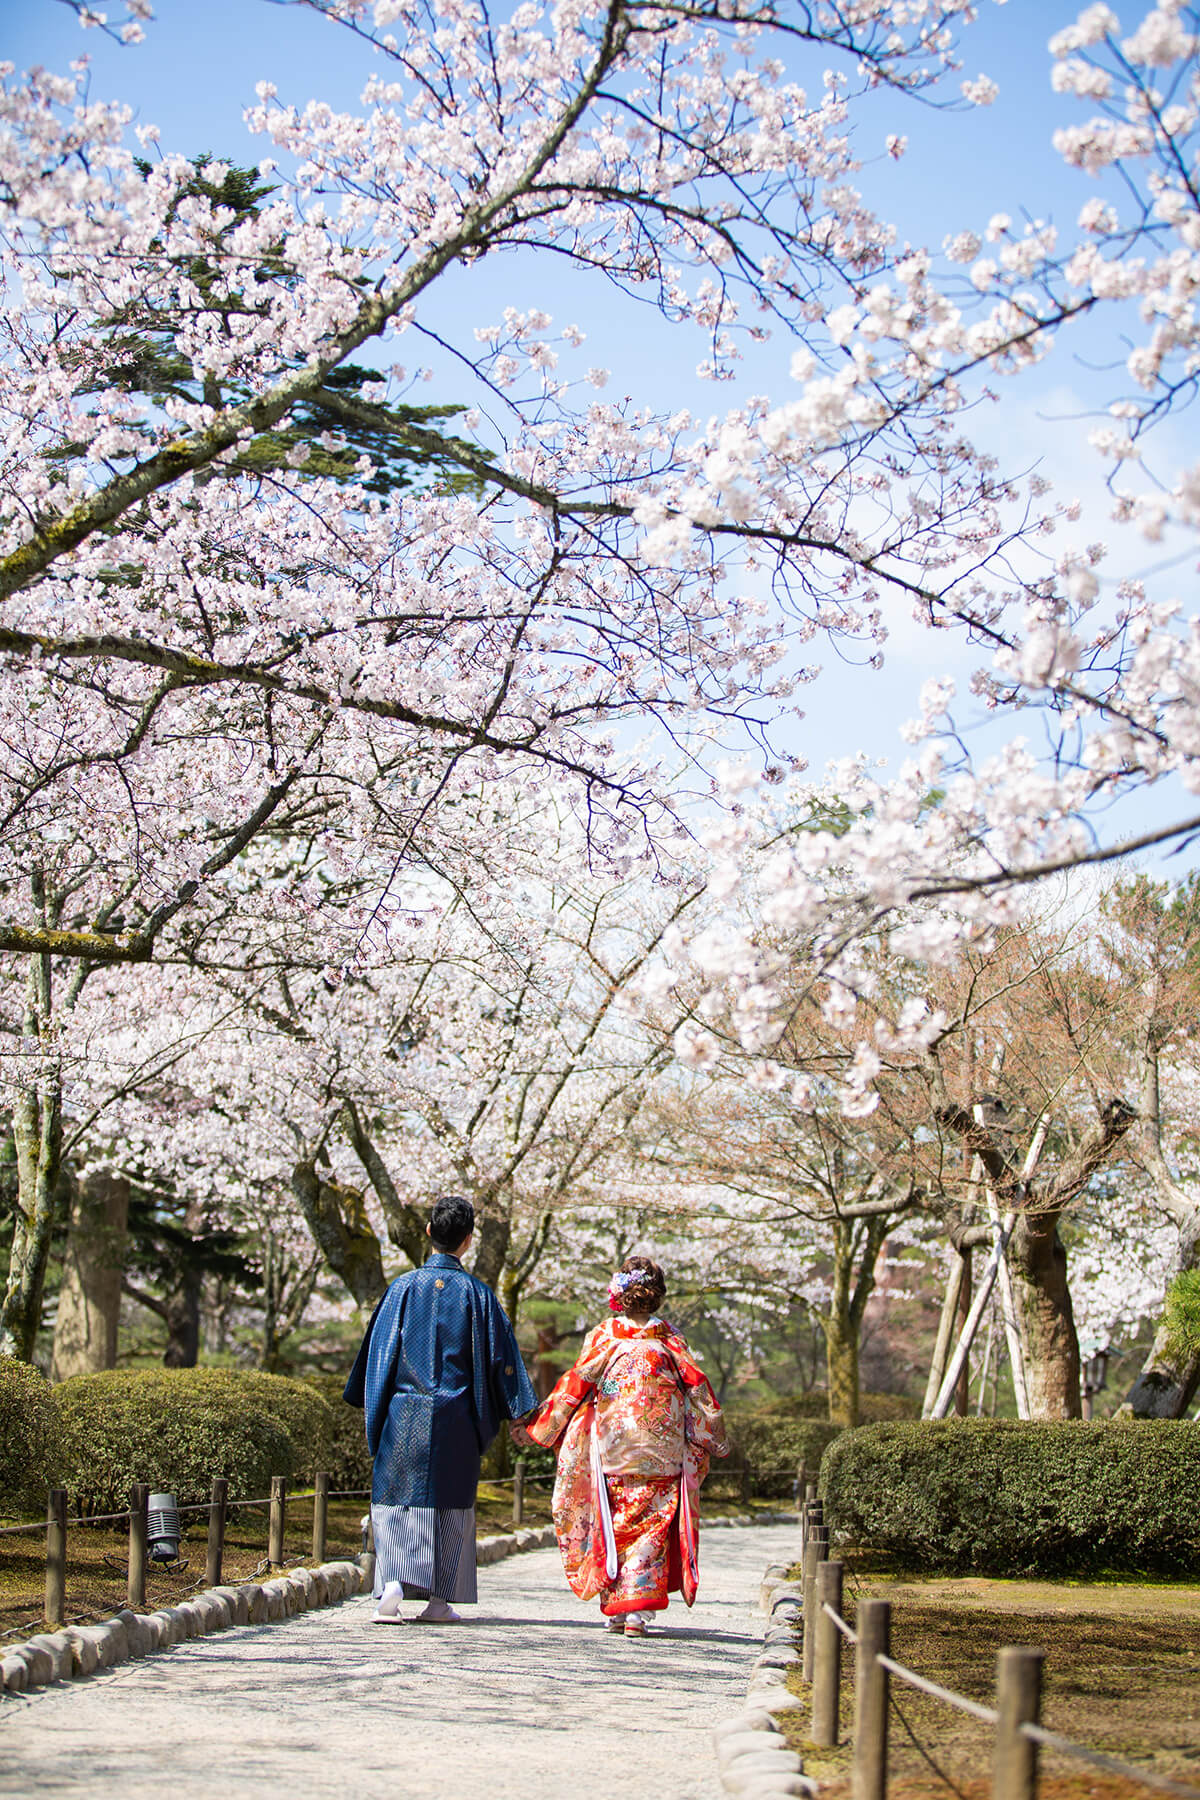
[(82, 1650), (753, 1759)]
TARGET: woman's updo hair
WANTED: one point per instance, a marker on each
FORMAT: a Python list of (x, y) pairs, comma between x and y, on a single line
[(647, 1292)]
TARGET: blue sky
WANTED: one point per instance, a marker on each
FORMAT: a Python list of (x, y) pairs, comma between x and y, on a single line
[(198, 68)]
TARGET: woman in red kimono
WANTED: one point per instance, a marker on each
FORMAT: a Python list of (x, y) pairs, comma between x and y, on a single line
[(634, 1423)]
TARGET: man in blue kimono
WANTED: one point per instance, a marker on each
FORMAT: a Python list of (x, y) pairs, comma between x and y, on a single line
[(438, 1371)]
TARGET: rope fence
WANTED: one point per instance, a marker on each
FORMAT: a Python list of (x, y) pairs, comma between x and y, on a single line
[(1019, 1734)]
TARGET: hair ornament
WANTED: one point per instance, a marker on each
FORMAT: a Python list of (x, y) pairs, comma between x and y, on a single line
[(619, 1283)]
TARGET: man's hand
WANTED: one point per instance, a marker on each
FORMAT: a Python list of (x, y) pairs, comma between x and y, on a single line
[(519, 1435)]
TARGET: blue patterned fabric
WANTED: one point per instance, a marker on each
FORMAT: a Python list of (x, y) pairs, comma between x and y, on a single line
[(430, 1550), (438, 1371)]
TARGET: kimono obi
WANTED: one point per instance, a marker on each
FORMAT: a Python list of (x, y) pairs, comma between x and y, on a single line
[(641, 1412)]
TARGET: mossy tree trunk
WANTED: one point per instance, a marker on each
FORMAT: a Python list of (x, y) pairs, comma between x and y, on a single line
[(1037, 1264), (856, 1245), (89, 1299), (37, 1127), (1037, 1260)]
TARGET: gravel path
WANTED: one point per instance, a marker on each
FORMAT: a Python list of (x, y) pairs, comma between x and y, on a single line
[(531, 1701)]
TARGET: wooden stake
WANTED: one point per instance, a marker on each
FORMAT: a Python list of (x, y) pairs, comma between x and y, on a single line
[(56, 1557), (278, 1512), (217, 1502), (827, 1656), (320, 1514), (135, 1585), (1018, 1701), (874, 1627)]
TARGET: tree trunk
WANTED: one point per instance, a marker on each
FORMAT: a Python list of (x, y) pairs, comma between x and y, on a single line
[(1045, 1319), (962, 1393), (1169, 1378), (182, 1314), (854, 1241), (841, 1361), (945, 1332), (89, 1300), (493, 1235), (338, 1221), (37, 1131)]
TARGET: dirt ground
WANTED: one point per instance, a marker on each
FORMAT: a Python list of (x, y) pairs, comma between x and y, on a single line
[(96, 1556), (1122, 1675)]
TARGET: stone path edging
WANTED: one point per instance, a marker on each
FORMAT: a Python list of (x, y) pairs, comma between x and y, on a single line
[(78, 1651), (752, 1754)]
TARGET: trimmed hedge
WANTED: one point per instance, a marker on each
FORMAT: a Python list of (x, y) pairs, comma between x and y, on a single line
[(1006, 1496), (179, 1428), (777, 1437), (347, 1459), (31, 1438)]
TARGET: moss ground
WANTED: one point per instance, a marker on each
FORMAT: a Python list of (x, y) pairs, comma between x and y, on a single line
[(1122, 1675)]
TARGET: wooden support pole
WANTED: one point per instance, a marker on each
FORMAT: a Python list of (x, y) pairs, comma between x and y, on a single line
[(801, 1487), (827, 1656), (217, 1503), (518, 1517), (320, 1514), (814, 1552), (139, 1507), (278, 1512), (1019, 1702), (56, 1557), (874, 1627)]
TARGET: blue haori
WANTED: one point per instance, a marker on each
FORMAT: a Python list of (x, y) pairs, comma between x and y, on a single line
[(438, 1371), (429, 1549)]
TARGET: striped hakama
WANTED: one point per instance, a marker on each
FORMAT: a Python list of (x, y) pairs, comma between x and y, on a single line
[(430, 1549)]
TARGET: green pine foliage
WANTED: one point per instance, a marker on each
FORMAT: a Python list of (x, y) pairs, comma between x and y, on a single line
[(406, 444), (31, 1439), (1013, 1497)]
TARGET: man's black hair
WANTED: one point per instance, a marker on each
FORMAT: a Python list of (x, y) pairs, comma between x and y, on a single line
[(451, 1222)]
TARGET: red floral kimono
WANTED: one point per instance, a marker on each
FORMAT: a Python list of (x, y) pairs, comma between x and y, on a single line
[(634, 1423)]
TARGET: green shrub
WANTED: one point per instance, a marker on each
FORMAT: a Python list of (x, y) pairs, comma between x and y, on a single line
[(1183, 1313), (347, 1458), (304, 1411), (177, 1429), (1004, 1496), (31, 1438), (777, 1437)]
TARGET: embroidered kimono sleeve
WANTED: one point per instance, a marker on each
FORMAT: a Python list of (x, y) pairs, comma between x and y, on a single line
[(569, 1393), (704, 1421)]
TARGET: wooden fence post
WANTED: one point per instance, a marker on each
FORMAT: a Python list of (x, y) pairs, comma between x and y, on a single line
[(827, 1656), (135, 1584), (56, 1557), (801, 1486), (814, 1552), (1018, 1701), (320, 1514), (518, 1517), (278, 1510), (217, 1501), (745, 1489), (874, 1627)]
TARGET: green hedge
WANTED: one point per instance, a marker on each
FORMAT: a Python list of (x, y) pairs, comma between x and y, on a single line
[(31, 1439), (348, 1460), (179, 1428), (777, 1437), (1003, 1496)]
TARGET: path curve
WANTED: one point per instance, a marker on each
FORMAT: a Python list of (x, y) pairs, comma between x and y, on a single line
[(531, 1701)]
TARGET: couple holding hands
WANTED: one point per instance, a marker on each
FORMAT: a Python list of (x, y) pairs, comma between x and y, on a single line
[(634, 1423)]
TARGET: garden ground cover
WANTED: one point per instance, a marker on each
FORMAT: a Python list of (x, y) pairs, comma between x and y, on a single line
[(1122, 1675)]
